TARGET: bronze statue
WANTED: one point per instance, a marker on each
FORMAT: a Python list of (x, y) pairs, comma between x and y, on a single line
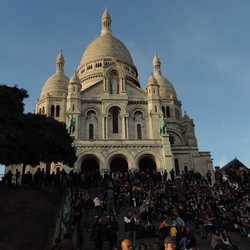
[(71, 124)]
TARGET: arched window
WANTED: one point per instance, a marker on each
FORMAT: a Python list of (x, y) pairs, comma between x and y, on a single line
[(168, 111), (155, 108), (115, 115), (52, 111), (73, 107), (57, 110), (139, 136), (91, 131), (43, 111)]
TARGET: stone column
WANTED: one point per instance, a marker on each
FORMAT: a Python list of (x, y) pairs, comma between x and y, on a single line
[(167, 152), (105, 127)]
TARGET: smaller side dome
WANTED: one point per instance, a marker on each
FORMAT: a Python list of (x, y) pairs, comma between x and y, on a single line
[(185, 117), (57, 84), (166, 88), (151, 81), (74, 79)]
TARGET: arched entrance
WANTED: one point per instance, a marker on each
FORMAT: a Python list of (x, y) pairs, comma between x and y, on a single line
[(119, 163), (147, 164), (89, 165)]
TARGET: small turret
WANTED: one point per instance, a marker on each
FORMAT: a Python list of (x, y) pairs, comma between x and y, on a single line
[(188, 129), (153, 87), (74, 86)]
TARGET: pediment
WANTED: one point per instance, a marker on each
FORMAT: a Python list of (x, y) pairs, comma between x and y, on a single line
[(94, 91)]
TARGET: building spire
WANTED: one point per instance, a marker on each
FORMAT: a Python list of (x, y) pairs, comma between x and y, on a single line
[(60, 62), (157, 65), (106, 22)]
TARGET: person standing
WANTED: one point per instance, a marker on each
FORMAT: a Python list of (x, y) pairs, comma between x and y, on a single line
[(112, 229), (131, 222), (9, 178), (87, 205), (98, 206), (98, 233), (110, 201), (17, 177)]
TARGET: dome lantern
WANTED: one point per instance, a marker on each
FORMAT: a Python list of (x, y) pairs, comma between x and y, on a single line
[(157, 64), (60, 62), (106, 23)]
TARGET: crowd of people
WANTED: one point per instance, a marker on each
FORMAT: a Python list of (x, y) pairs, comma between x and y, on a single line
[(39, 178), (165, 204), (181, 206)]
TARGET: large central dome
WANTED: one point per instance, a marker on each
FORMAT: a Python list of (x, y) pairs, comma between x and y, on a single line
[(105, 50), (106, 46)]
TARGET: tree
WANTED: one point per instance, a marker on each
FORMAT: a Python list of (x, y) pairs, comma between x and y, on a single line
[(46, 140), (11, 113), (29, 139)]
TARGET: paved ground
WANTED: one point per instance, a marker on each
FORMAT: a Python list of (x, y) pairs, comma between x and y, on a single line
[(27, 217), (203, 244)]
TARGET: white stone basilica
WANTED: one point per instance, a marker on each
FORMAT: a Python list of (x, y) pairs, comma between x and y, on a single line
[(116, 121)]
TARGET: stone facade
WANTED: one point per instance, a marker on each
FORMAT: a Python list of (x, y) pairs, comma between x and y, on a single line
[(116, 121)]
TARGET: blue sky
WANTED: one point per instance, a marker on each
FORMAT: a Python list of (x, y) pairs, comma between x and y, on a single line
[(203, 45)]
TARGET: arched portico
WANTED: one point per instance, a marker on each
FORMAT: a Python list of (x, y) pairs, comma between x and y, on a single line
[(90, 164), (147, 163), (119, 163)]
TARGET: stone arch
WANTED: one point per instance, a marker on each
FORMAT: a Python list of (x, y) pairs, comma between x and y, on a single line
[(175, 138), (89, 123), (86, 154), (158, 159), (137, 109), (91, 108), (90, 164), (122, 108), (116, 123), (125, 156), (114, 82), (147, 163), (119, 163), (115, 68), (138, 115)]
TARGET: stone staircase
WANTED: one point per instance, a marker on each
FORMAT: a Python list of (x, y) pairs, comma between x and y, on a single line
[(90, 245), (203, 244)]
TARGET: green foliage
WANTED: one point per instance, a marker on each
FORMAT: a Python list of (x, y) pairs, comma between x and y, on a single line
[(30, 138)]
